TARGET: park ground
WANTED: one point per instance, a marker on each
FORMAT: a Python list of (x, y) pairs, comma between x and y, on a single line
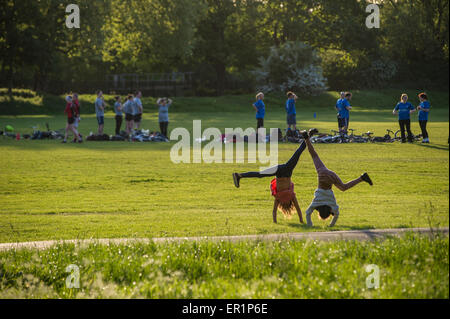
[(121, 189)]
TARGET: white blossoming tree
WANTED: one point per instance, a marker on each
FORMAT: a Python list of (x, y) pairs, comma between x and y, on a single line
[(292, 66)]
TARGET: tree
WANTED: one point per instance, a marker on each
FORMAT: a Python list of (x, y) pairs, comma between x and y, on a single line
[(291, 66), (150, 35)]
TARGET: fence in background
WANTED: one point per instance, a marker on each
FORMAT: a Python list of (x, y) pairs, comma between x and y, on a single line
[(153, 84)]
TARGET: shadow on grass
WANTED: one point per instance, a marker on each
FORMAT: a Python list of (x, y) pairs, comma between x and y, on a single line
[(439, 147)]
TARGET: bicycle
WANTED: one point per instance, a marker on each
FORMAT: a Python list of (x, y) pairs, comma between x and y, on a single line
[(397, 135), (357, 138)]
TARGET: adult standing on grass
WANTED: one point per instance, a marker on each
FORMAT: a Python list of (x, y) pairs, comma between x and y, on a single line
[(163, 114), (343, 107), (260, 109), (119, 115), (404, 110), (281, 187), (100, 111), (139, 109), (290, 110), (128, 108), (71, 112), (324, 201), (424, 110)]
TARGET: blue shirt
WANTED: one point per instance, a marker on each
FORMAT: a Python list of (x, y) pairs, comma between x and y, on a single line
[(403, 110), (290, 107), (423, 116), (116, 109), (342, 105), (128, 107), (138, 106), (98, 104), (261, 109), (163, 115)]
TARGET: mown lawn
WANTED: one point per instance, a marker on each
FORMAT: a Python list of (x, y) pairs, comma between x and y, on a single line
[(410, 267), (120, 189)]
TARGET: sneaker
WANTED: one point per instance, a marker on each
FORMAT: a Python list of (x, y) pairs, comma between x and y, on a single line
[(304, 134), (80, 141), (365, 177), (236, 179), (64, 141), (313, 131)]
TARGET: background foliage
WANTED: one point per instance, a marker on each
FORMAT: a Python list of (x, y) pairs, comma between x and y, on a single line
[(222, 41)]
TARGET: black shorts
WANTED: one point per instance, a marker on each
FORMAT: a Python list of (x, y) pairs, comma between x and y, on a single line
[(129, 117), (259, 123), (70, 120), (342, 122), (138, 117)]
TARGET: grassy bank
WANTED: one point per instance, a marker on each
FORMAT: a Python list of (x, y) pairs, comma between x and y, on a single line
[(410, 267)]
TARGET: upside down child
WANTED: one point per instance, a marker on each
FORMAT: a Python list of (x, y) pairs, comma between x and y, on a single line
[(283, 189), (324, 201)]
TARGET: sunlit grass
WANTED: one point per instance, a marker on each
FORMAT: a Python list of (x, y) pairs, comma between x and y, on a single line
[(411, 267)]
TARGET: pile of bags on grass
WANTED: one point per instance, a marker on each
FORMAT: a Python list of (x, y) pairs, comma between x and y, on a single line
[(136, 136), (36, 135)]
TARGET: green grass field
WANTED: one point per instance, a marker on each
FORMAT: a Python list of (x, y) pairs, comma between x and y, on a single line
[(410, 267), (121, 189)]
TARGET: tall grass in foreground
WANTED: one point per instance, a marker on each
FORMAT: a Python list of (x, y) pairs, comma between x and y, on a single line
[(410, 267)]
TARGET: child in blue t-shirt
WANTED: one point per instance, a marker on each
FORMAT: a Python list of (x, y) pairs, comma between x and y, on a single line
[(424, 110), (260, 109), (290, 110), (404, 109), (343, 107)]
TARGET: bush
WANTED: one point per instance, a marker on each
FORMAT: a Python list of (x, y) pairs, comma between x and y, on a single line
[(293, 66), (355, 70)]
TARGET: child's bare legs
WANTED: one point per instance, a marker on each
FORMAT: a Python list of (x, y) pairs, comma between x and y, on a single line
[(337, 181), (66, 135), (75, 133), (315, 157), (343, 187)]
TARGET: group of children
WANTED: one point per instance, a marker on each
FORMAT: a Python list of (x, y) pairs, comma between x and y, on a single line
[(291, 113), (282, 187), (132, 109), (403, 109), (324, 200)]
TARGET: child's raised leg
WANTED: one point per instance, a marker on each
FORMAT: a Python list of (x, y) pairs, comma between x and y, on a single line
[(315, 157)]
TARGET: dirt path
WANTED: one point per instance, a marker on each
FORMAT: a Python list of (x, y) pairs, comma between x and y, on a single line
[(327, 236)]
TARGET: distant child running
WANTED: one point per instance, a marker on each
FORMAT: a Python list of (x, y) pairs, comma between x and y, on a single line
[(290, 110), (324, 201), (119, 115), (100, 111), (72, 114), (424, 110), (260, 109), (404, 109), (163, 114)]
